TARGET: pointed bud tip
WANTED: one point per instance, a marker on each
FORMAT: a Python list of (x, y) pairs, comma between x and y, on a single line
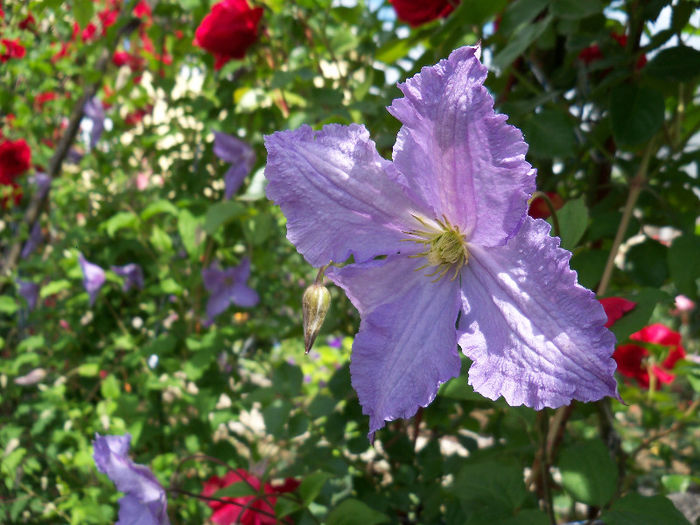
[(315, 304)]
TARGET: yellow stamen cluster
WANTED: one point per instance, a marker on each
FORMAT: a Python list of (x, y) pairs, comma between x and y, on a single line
[(446, 246)]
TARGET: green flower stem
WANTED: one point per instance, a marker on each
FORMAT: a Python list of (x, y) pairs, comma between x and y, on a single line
[(552, 210)]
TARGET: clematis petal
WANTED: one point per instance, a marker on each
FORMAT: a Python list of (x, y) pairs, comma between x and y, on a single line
[(457, 155), (535, 336), (242, 157), (339, 196), (407, 344), (93, 277), (145, 501)]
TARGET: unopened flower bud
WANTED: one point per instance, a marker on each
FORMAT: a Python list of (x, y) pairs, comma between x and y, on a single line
[(315, 304)]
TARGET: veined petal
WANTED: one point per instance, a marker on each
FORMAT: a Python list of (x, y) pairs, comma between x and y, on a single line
[(457, 155), (407, 344), (535, 336), (339, 196)]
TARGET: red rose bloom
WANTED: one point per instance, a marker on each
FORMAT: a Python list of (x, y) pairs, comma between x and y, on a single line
[(630, 357), (43, 98), (418, 12), (13, 49), (615, 308), (15, 158), (27, 23), (539, 209), (247, 512), (229, 30)]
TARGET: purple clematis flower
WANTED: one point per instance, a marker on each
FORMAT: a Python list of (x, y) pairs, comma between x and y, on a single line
[(34, 240), (30, 292), (93, 277), (228, 286), (43, 183), (241, 156), (444, 252), (144, 500), (95, 112), (132, 274)]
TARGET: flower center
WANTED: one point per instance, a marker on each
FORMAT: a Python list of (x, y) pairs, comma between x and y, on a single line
[(445, 246)]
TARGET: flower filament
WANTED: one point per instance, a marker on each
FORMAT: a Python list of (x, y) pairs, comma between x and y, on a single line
[(445, 245)]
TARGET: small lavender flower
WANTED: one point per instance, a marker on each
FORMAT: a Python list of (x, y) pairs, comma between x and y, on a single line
[(93, 277), (132, 274), (95, 112), (239, 155), (144, 500), (228, 286), (34, 240), (441, 239), (30, 292)]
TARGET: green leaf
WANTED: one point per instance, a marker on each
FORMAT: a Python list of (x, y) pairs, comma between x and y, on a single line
[(159, 206), (680, 63), (8, 305), (646, 263), (477, 12), (312, 485), (354, 512), (110, 388), (636, 113), (235, 490), (394, 49), (588, 473), (574, 9), (191, 234), (635, 509), (123, 219), (258, 228), (221, 213), (83, 11), (495, 488), (550, 133), (527, 517), (458, 388), (635, 320), (520, 42), (160, 240), (276, 416), (54, 287), (33, 342), (88, 370), (684, 275), (573, 221), (285, 507)]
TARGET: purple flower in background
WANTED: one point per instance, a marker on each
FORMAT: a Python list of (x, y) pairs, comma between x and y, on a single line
[(228, 286), (30, 292), (95, 112), (35, 239), (43, 183), (239, 155), (144, 500), (93, 277), (449, 219), (132, 274)]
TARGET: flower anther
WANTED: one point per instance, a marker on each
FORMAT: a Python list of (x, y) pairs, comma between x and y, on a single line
[(445, 243)]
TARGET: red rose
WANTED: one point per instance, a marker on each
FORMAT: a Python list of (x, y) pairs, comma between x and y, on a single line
[(630, 357), (43, 98), (27, 23), (15, 158), (229, 30), (592, 53), (248, 510), (142, 9), (615, 308), (13, 49), (108, 17), (418, 12), (539, 209)]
